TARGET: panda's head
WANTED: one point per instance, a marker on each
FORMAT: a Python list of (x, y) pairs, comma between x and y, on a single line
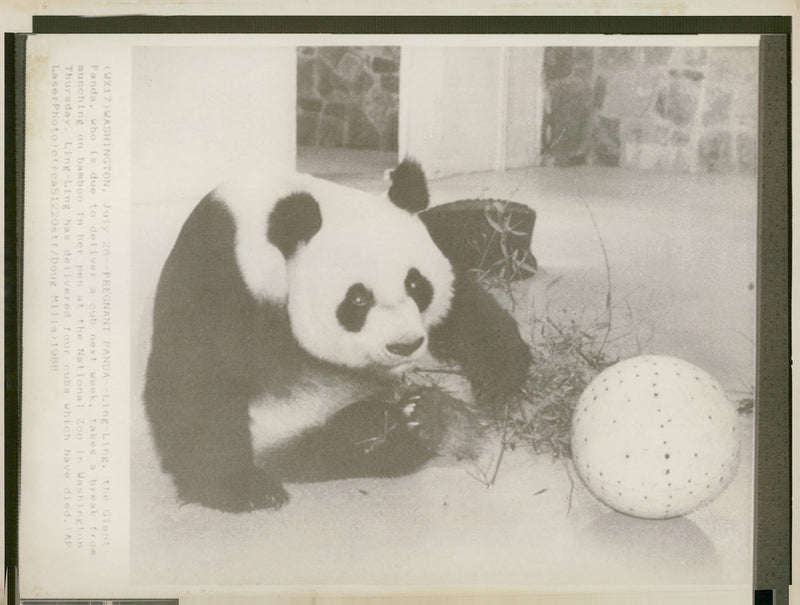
[(365, 282)]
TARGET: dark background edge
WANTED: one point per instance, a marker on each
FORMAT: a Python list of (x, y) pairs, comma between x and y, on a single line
[(772, 540)]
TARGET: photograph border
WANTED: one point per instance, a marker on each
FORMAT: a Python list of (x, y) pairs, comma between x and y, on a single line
[(772, 539)]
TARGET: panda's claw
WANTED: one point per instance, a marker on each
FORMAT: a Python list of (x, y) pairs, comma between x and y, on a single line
[(267, 492), (421, 417)]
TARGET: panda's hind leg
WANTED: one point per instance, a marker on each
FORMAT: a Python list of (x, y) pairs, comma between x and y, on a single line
[(241, 491), (204, 443)]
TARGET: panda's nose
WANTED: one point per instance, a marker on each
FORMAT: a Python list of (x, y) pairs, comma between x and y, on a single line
[(405, 348)]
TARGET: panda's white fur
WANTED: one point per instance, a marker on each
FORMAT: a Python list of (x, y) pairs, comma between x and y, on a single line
[(365, 239), (251, 350), (376, 248), (250, 196), (276, 419)]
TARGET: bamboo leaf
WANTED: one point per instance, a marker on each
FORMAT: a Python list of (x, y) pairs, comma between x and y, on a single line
[(494, 224)]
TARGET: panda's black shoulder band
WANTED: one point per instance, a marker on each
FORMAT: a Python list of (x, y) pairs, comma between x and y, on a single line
[(409, 189), (294, 219)]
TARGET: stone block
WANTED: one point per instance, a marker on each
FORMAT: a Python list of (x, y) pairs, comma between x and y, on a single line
[(734, 65), (644, 131), (568, 127), (333, 108), (377, 105), (714, 152), (362, 83), (630, 92), (557, 63), (680, 137), (643, 156), (599, 94), (746, 152), (618, 57), (582, 58), (390, 83), (605, 141), (328, 81), (745, 106), (305, 77), (390, 53), (361, 132), (307, 128), (309, 104), (349, 66), (330, 132), (382, 65), (717, 105), (689, 74), (692, 55), (339, 95), (389, 136), (678, 101), (652, 156), (332, 54), (332, 79), (657, 55), (683, 160)]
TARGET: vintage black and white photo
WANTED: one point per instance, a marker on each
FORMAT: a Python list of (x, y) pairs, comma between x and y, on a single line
[(406, 313), (584, 205)]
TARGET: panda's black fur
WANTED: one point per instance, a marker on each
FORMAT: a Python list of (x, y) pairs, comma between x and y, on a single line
[(217, 348)]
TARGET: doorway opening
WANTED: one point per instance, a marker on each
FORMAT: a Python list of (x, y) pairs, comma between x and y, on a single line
[(347, 110)]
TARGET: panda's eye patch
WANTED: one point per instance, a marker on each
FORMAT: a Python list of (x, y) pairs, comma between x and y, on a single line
[(419, 288), (352, 311), (359, 296)]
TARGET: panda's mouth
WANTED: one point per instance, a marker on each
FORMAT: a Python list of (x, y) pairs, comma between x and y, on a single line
[(403, 352), (391, 362), (405, 349), (402, 366), (402, 363)]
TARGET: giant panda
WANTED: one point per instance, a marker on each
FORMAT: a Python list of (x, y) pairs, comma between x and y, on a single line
[(284, 319)]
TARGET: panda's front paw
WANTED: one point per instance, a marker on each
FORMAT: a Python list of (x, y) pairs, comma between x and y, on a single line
[(243, 491), (504, 377), (422, 417), (443, 424), (265, 491)]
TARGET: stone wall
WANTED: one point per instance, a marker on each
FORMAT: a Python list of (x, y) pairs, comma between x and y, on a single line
[(687, 109), (347, 96)]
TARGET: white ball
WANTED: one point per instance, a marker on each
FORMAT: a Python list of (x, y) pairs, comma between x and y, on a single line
[(655, 437)]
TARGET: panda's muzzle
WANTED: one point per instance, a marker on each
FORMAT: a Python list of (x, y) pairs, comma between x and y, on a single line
[(404, 349)]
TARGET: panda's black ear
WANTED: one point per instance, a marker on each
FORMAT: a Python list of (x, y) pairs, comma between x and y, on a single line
[(294, 219), (409, 189)]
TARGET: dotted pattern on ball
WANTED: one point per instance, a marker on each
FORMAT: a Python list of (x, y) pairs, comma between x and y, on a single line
[(655, 437)]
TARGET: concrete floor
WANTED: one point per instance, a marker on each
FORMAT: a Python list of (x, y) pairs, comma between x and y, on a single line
[(682, 256)]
